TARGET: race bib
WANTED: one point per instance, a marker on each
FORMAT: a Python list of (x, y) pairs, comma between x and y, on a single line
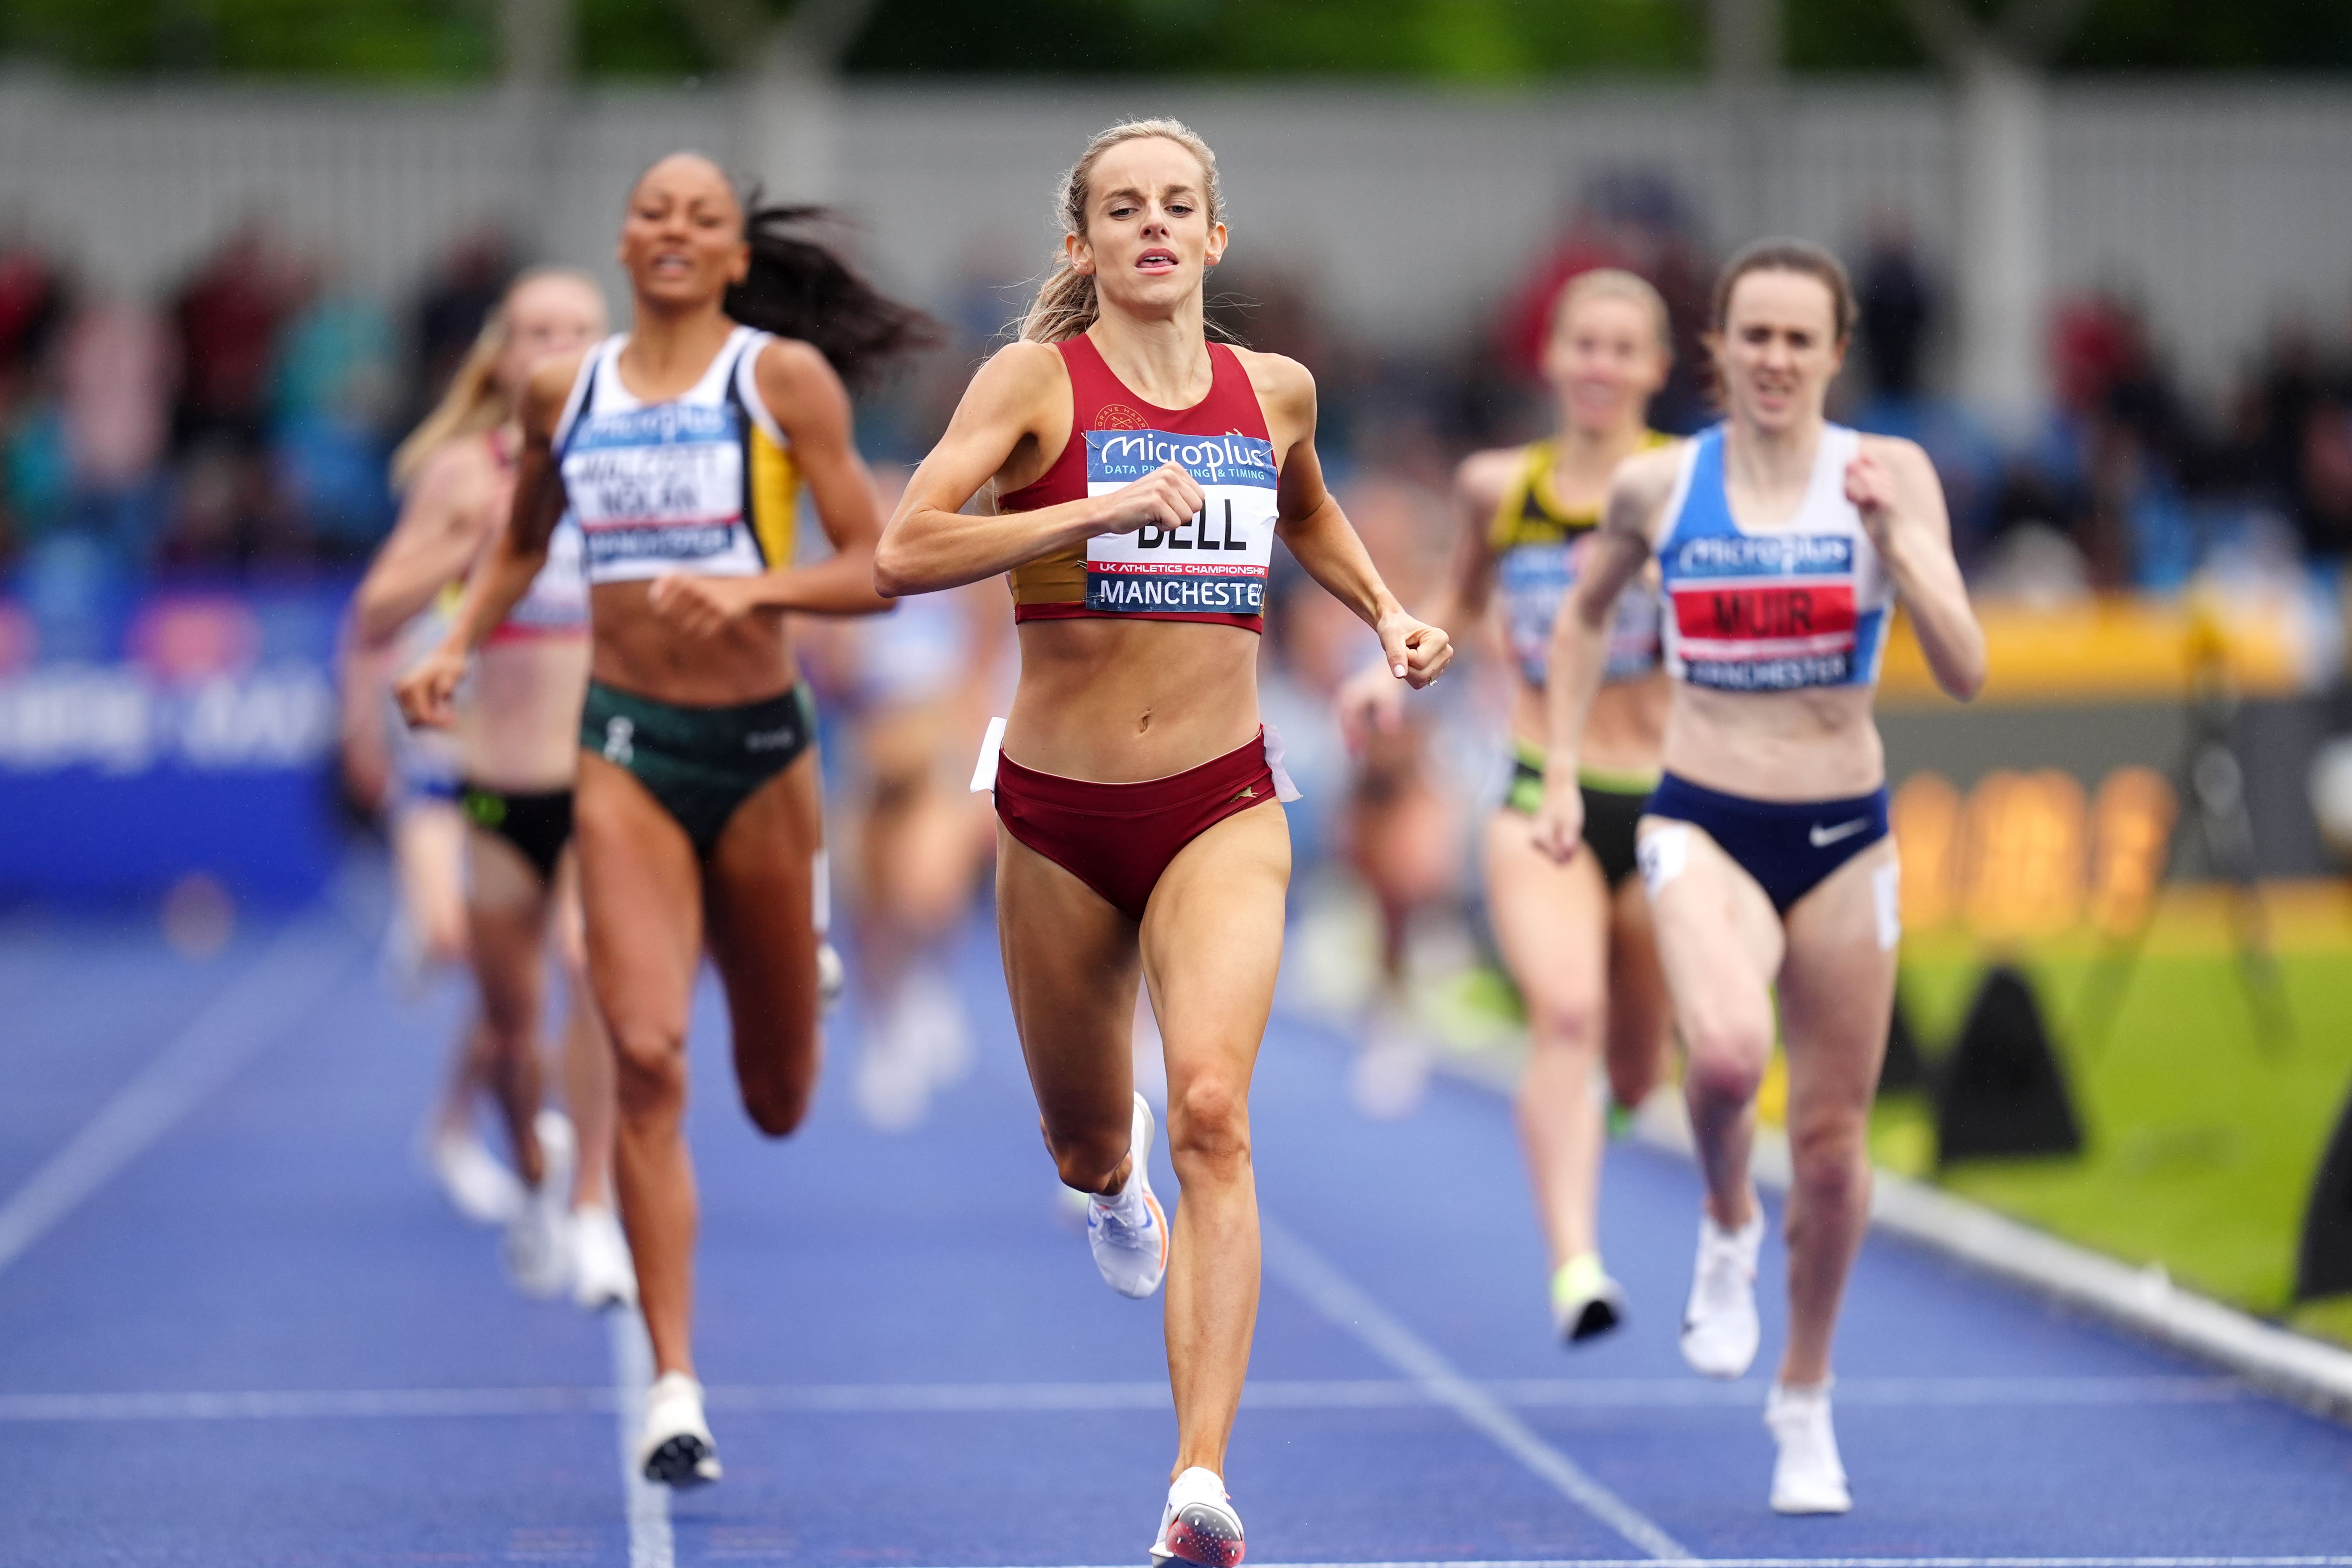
[(1535, 580), (1214, 564), (1775, 613), (660, 489)]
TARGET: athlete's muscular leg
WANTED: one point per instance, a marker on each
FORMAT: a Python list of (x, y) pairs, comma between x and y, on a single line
[(1551, 921), (1720, 943), (1211, 940), (1837, 995), (506, 912), (587, 1053), (1070, 964), (641, 891), (759, 898), (1640, 1016), (428, 847)]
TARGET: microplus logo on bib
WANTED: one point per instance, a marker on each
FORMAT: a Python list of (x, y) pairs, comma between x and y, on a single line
[(1770, 555), (1122, 456)]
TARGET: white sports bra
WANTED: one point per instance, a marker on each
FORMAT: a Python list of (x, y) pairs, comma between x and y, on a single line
[(703, 483), (556, 603)]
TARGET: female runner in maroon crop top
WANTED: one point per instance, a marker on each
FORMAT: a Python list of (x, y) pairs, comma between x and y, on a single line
[(1140, 475)]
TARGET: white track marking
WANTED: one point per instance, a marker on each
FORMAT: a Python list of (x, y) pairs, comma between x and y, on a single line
[(254, 1011), (646, 1502), (1018, 1398), (306, 1405), (1337, 1298)]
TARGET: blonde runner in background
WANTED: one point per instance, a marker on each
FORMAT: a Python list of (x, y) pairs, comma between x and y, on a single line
[(518, 756), (1575, 938)]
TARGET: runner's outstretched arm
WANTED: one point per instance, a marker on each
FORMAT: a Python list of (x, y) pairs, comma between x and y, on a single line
[(1319, 535), (1579, 640), (932, 543), (1371, 700), (428, 693)]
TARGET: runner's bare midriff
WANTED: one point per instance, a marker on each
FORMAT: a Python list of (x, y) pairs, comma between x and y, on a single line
[(1117, 702), (638, 651), (1816, 745), (521, 732), (1627, 724)]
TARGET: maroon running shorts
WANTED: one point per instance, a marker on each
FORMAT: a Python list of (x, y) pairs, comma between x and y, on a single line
[(1119, 837)]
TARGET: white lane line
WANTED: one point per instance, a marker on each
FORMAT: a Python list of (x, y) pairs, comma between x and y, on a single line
[(275, 992), (1018, 1398), (646, 1502), (305, 1405), (1337, 1298)]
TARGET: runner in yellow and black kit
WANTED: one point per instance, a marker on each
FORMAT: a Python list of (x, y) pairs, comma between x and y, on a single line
[(1576, 937)]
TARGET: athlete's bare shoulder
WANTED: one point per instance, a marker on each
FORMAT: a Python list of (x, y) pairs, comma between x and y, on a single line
[(1023, 379), (1286, 391), (1638, 490), (548, 389), (795, 380), (1278, 379), (455, 474), (789, 364), (1481, 478), (1907, 459)]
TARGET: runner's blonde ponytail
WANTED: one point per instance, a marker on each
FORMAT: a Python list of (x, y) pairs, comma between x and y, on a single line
[(472, 404), (474, 401), (1065, 304)]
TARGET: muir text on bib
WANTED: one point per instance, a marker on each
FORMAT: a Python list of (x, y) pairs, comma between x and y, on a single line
[(1213, 564)]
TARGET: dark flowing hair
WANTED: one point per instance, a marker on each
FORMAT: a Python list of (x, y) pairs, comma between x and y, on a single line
[(798, 288)]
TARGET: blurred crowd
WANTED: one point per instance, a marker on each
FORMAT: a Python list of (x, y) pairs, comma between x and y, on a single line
[(241, 423)]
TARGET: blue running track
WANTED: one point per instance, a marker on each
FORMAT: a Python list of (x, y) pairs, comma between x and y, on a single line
[(238, 1327)]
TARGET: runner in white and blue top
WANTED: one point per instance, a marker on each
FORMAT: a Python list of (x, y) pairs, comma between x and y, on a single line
[(1783, 543), (1803, 605), (679, 450)]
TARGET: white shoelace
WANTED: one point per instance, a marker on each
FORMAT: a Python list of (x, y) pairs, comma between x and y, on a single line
[(1722, 1276), (1123, 1231)]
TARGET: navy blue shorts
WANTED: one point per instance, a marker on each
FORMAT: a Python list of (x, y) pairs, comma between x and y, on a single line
[(1788, 846)]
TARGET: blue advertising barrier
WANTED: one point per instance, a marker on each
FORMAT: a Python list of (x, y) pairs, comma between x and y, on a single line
[(178, 732)]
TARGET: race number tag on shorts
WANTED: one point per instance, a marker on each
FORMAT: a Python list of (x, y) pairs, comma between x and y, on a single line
[(1662, 854), (1214, 564)]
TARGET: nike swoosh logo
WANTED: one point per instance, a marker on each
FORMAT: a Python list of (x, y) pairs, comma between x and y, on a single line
[(1824, 837)]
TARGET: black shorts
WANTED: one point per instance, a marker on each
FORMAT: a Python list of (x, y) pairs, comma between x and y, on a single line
[(1611, 815), (539, 824)]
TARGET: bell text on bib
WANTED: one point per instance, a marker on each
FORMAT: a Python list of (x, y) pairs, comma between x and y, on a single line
[(1215, 564)]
